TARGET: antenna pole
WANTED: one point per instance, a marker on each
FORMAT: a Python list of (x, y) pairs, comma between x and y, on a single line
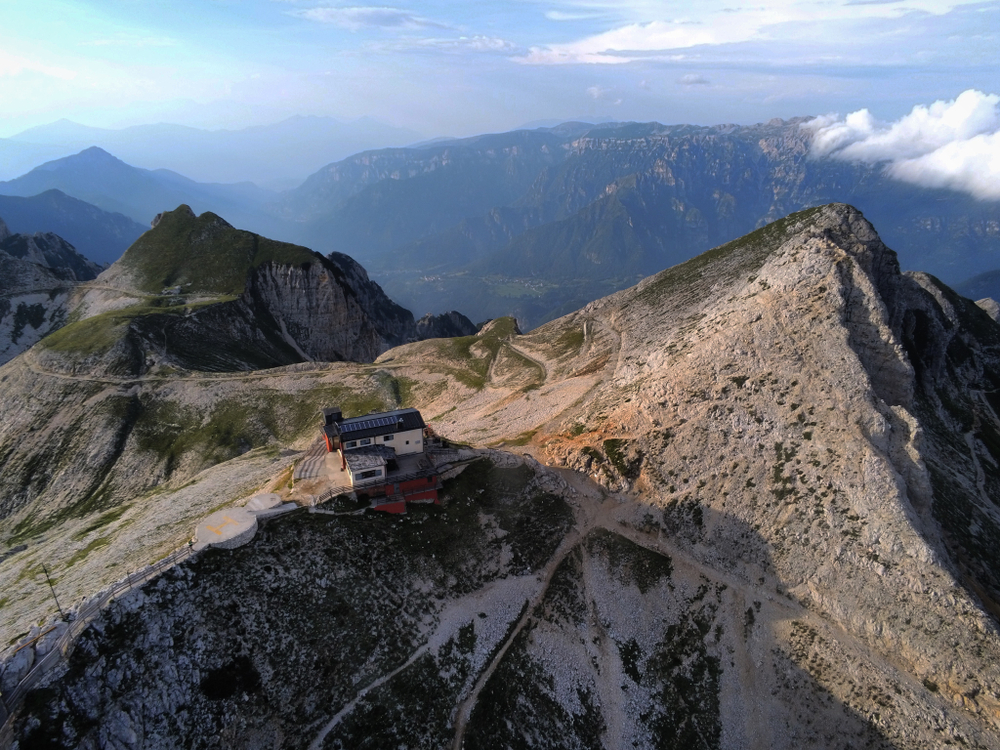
[(53, 589)]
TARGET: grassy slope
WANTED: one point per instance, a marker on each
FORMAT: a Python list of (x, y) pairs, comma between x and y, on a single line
[(203, 254)]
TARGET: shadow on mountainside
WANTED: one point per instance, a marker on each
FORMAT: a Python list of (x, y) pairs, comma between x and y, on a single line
[(386, 622), (953, 347)]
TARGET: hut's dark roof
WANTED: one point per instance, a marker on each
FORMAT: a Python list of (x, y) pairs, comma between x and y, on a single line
[(379, 423)]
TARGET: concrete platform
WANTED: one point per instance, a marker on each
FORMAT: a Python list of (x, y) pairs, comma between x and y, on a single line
[(228, 529)]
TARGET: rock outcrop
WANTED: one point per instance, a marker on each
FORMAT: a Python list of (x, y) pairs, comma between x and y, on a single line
[(444, 326), (197, 294), (37, 272)]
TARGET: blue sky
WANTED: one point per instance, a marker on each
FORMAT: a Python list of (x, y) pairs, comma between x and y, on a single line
[(458, 68)]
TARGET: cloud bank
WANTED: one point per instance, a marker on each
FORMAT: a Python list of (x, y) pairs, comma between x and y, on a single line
[(953, 144)]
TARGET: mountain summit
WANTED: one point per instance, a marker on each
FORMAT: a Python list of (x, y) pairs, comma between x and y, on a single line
[(194, 292)]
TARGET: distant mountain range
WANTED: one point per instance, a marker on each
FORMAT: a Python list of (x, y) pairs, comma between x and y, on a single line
[(280, 155), (97, 177), (536, 223), (99, 235)]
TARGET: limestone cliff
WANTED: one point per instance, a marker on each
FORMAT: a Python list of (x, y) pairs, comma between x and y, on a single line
[(37, 272)]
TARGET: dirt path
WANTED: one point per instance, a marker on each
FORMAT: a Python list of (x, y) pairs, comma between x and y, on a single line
[(29, 361), (317, 743), (541, 365), (590, 505)]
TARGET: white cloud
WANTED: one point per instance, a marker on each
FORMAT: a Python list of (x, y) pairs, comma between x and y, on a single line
[(661, 27), (621, 45), (559, 15), (459, 44), (953, 144), (971, 166), (359, 17), (596, 92)]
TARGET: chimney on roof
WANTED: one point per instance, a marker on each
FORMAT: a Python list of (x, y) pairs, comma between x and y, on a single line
[(332, 416)]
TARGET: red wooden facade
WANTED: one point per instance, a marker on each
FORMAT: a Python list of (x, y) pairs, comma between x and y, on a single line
[(419, 490)]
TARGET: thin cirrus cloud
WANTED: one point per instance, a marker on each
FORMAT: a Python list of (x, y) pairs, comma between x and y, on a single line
[(559, 15), (362, 17), (460, 44), (948, 144), (714, 23)]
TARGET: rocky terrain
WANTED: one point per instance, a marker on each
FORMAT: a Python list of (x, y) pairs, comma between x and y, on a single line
[(194, 293), (769, 519), (37, 273)]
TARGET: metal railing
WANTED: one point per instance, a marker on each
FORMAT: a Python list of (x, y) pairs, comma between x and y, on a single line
[(12, 701)]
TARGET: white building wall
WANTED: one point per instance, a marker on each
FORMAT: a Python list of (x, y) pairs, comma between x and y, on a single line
[(410, 441), (405, 442)]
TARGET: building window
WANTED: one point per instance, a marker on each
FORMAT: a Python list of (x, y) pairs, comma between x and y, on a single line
[(351, 444), (369, 474), (387, 438), (430, 480), (407, 442), (366, 441)]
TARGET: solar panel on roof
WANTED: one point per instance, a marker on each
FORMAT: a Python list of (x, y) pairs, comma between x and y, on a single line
[(368, 424)]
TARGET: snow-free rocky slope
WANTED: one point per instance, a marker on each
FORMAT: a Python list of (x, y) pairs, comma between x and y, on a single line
[(37, 273), (776, 528)]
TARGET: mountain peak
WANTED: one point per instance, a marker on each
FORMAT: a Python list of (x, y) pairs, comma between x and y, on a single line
[(96, 153), (88, 158)]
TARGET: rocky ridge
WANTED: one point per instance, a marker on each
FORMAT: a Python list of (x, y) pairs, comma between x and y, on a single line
[(787, 538), (37, 273), (194, 293)]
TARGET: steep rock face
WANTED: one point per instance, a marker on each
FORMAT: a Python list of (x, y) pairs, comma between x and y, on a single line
[(52, 252), (326, 311), (37, 273), (446, 325)]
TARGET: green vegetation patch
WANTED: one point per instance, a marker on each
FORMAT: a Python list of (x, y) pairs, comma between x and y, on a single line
[(472, 356), (570, 341), (204, 254), (91, 336), (81, 555), (727, 262), (233, 426), (102, 520), (616, 451)]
